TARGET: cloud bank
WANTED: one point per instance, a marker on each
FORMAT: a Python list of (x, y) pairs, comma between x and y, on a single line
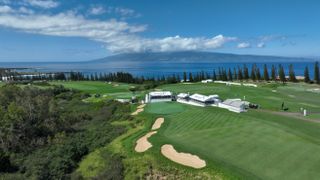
[(47, 4), (117, 36)]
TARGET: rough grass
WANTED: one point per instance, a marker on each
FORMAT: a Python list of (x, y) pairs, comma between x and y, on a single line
[(92, 164)]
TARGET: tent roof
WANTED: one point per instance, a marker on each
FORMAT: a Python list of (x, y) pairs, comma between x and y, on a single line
[(160, 93)]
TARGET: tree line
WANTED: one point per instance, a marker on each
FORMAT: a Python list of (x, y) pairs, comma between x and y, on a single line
[(240, 73), (277, 73)]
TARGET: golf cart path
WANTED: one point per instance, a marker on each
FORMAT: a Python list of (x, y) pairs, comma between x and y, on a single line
[(291, 114)]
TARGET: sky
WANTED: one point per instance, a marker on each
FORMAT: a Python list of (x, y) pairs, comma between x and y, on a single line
[(79, 30)]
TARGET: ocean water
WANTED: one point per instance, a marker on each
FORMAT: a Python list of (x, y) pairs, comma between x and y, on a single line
[(149, 69)]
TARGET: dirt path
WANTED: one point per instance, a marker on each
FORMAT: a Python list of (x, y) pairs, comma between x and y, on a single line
[(291, 114), (143, 144), (157, 124), (182, 158)]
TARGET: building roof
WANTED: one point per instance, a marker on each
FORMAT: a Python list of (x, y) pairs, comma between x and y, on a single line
[(203, 98), (252, 85), (183, 95), (160, 93), (234, 102), (215, 96), (207, 80)]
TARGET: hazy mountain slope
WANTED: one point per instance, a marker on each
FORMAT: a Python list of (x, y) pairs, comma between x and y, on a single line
[(192, 56)]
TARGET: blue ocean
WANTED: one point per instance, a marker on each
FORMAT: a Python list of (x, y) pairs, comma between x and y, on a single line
[(149, 69)]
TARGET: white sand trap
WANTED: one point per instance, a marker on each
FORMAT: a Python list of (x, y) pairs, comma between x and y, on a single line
[(182, 158), (143, 144), (157, 124), (141, 106), (137, 112)]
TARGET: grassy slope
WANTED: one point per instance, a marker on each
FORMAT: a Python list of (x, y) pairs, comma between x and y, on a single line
[(249, 144), (93, 86), (252, 145), (115, 90)]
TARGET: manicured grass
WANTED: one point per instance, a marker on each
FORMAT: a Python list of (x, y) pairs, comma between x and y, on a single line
[(165, 108), (268, 96), (314, 116), (114, 90), (252, 145), (94, 87)]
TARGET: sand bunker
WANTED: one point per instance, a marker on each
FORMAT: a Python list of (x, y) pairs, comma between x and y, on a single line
[(137, 112), (182, 158), (157, 124), (143, 144), (141, 106)]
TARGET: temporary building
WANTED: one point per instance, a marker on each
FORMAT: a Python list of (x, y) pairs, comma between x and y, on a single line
[(159, 96)]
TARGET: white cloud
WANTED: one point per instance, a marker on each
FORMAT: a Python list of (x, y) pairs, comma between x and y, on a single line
[(25, 10), (97, 10), (47, 4), (117, 36), (261, 45), (124, 11), (176, 43), (5, 9), (244, 45)]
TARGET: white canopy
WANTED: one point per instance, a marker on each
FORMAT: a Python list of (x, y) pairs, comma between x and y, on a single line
[(203, 98), (160, 93), (183, 95), (234, 102)]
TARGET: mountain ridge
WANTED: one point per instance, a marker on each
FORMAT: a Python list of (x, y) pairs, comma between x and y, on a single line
[(197, 56)]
